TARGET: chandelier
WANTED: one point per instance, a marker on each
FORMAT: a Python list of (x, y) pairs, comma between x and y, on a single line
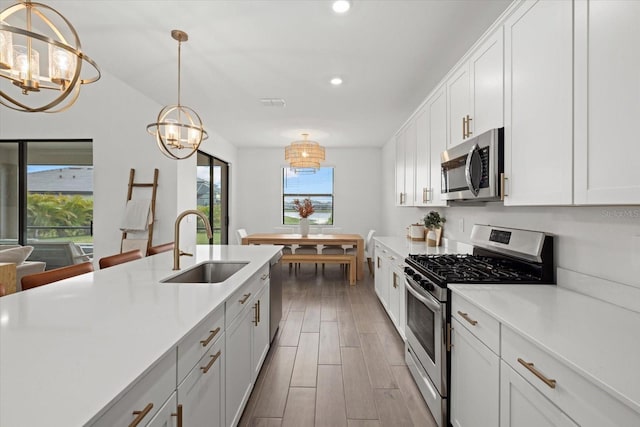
[(305, 154), (30, 32), (178, 129)]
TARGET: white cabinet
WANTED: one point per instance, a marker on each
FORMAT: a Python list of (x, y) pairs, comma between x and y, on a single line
[(539, 104), (396, 308), (201, 395), (475, 92), (167, 415), (607, 102), (382, 274), (260, 329), (475, 386), (521, 405), (247, 339), (437, 110), (405, 165), (422, 159)]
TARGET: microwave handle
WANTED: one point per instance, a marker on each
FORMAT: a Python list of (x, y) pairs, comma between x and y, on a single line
[(467, 170)]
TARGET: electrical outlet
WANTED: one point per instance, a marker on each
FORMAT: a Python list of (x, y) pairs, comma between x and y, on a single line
[(461, 225)]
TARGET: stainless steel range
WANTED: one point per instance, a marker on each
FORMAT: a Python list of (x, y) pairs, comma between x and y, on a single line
[(500, 255)]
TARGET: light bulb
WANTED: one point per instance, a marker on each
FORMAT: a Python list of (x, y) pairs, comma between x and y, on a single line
[(61, 67), (194, 137), (341, 6), (171, 133)]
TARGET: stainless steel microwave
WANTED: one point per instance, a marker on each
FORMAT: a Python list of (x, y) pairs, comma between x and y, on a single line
[(474, 170)]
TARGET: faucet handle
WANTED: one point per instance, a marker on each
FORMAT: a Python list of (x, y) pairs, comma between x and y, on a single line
[(185, 253)]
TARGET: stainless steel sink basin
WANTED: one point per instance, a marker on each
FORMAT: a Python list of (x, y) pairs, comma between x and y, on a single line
[(207, 272)]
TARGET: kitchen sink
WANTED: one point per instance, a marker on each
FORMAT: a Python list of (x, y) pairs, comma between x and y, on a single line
[(207, 272)]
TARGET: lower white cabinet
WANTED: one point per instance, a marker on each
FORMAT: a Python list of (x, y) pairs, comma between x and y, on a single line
[(521, 405), (201, 395), (167, 416), (475, 386), (396, 285), (248, 341), (382, 274)]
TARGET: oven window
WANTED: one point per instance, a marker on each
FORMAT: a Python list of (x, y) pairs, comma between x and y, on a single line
[(421, 320)]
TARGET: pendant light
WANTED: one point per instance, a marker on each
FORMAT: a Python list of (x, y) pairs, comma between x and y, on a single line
[(304, 155), (29, 33), (178, 129)]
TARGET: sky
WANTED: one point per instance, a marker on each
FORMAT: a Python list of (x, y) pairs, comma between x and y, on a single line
[(320, 182)]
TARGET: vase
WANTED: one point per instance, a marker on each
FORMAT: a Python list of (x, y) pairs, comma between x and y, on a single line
[(304, 227), (433, 236)]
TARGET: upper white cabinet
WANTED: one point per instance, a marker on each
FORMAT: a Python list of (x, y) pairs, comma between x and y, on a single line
[(475, 91), (607, 86), (405, 165), (437, 109), (539, 104), (423, 159)]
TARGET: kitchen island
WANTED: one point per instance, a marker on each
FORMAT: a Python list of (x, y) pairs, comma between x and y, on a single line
[(70, 350)]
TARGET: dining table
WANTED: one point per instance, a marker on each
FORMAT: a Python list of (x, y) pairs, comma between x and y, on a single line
[(355, 240)]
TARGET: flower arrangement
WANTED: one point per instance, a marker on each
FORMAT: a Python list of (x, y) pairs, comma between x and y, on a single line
[(433, 220), (305, 208)]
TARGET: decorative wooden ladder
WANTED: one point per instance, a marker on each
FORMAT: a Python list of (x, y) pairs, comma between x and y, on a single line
[(154, 189)]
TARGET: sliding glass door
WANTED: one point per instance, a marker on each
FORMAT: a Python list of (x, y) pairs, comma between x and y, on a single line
[(213, 197)]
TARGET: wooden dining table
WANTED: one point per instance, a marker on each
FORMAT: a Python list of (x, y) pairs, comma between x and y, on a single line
[(312, 239)]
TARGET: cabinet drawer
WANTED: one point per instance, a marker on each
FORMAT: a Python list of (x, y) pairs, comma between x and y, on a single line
[(578, 397), (243, 296), (477, 321), (147, 394), (192, 347)]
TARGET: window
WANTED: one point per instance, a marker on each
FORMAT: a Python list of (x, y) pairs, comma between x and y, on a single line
[(213, 190), (301, 184)]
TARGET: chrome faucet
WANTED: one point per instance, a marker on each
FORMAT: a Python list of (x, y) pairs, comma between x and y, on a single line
[(176, 248)]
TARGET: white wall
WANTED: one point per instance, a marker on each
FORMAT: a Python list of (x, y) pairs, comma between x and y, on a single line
[(357, 183), (602, 241), (115, 116)]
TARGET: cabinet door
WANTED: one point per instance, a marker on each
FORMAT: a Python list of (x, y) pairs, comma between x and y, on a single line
[(487, 85), (458, 94), (539, 104), (607, 102), (437, 107), (521, 405), (167, 416), (422, 159), (475, 385), (394, 296), (239, 367), (201, 394), (382, 276), (397, 308), (400, 195), (410, 163), (260, 330)]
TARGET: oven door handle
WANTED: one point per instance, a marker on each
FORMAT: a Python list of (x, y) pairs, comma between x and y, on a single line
[(429, 301)]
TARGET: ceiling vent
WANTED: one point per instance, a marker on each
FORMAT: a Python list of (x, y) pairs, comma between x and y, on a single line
[(273, 102)]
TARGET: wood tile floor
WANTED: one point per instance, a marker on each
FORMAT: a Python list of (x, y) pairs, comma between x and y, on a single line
[(336, 360)]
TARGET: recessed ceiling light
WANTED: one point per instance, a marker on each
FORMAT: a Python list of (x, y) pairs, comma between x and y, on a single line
[(341, 6), (336, 81)]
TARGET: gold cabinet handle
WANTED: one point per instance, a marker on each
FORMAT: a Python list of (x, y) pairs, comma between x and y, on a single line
[(395, 280), (141, 414), (205, 369), (530, 366), (255, 314), (179, 415), (466, 317), (378, 262), (210, 337), (264, 276), (464, 128), (258, 311), (469, 133), (244, 299), (449, 329)]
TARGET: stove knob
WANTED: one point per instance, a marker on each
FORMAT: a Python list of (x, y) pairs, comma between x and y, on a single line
[(408, 271), (427, 285), (418, 277)]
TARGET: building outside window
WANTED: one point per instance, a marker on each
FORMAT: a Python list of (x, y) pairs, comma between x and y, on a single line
[(303, 183)]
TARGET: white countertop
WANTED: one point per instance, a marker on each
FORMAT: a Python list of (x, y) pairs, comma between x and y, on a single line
[(69, 348), (404, 246), (595, 338)]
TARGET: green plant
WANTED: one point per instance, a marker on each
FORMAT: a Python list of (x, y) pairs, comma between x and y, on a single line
[(433, 220)]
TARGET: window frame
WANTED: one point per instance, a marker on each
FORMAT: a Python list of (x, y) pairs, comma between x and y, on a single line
[(301, 196)]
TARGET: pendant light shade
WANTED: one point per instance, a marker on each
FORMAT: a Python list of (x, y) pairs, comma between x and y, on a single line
[(41, 59), (304, 154), (178, 129)]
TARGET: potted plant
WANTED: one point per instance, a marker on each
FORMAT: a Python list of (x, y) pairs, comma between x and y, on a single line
[(304, 208), (434, 222)]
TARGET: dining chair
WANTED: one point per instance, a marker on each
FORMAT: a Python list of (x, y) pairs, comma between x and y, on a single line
[(110, 261), (46, 277), (307, 249), (286, 249), (368, 250), (332, 249), (240, 233), (165, 247)]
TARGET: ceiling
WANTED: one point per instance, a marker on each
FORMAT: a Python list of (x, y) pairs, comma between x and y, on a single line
[(390, 54)]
